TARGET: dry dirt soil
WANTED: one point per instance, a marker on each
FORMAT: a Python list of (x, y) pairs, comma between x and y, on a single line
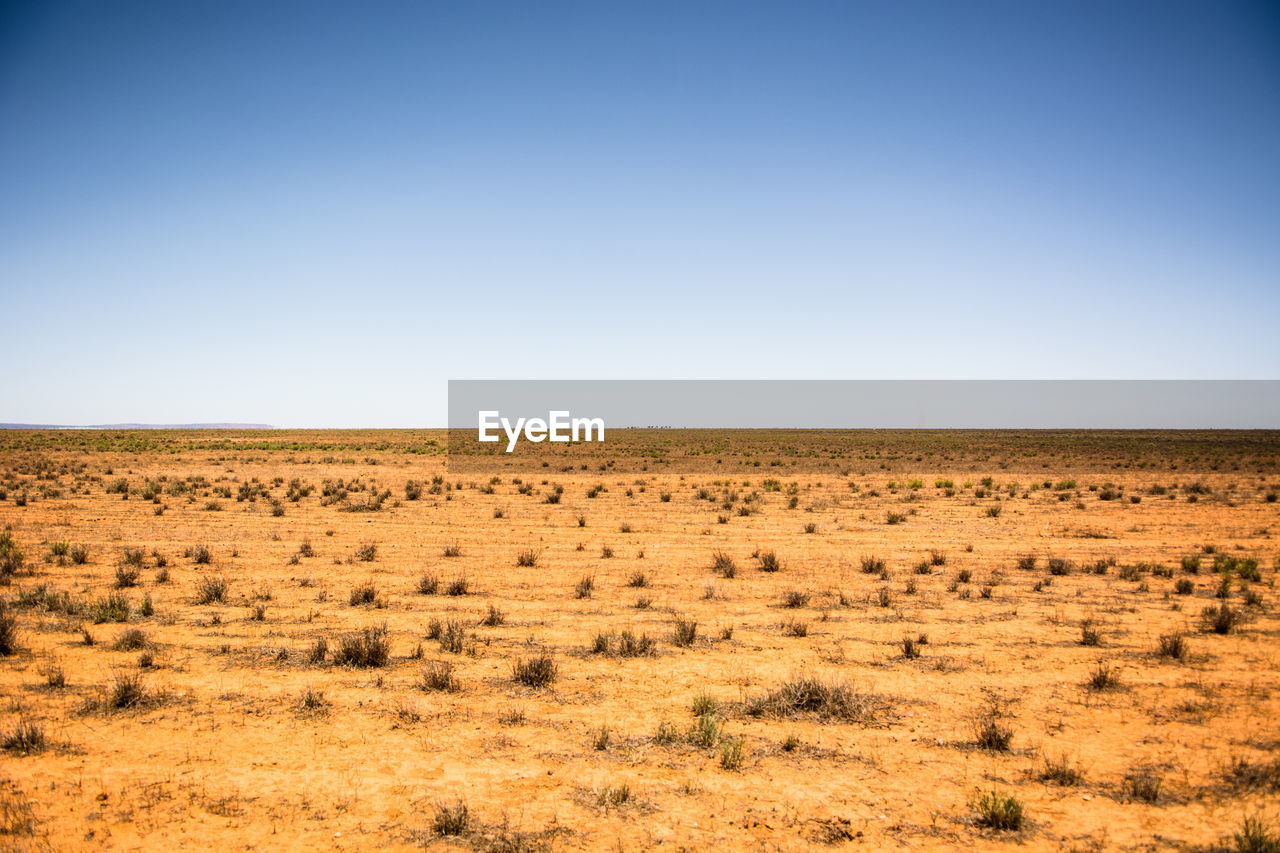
[(756, 640)]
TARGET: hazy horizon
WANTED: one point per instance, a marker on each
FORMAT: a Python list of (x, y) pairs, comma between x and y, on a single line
[(836, 405)]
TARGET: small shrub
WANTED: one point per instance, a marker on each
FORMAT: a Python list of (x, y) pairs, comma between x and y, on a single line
[(1061, 771), (131, 640), (428, 584), (113, 608), (8, 631), (1089, 635), (796, 628), (364, 593), (614, 795), (584, 586), (685, 632), (1143, 784), (369, 647), (769, 561), (528, 558), (723, 563), (804, 694), (1243, 774), (705, 731), (795, 598), (55, 676), (535, 672), (1254, 836), (666, 734), (872, 565), (512, 716), (990, 733), (312, 700), (999, 811), (632, 646), (451, 636), (438, 675), (602, 643), (127, 575), (451, 821), (731, 753), (1103, 677), (703, 704), (212, 590), (318, 650), (25, 737), (11, 556), (1219, 620), (126, 691), (1172, 646)]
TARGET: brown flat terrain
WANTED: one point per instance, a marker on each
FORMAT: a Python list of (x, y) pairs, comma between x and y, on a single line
[(156, 700)]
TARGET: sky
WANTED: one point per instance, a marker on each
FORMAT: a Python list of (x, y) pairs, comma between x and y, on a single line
[(317, 213)]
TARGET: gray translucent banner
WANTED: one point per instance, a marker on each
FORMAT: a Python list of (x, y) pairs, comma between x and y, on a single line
[(872, 404)]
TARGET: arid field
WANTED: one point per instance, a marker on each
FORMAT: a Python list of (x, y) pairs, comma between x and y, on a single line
[(686, 640)]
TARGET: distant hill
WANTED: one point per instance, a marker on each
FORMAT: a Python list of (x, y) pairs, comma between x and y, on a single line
[(137, 426)]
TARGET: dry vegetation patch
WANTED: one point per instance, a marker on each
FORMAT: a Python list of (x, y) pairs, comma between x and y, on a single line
[(699, 640)]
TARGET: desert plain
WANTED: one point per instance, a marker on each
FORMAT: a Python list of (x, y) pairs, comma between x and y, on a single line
[(683, 640)]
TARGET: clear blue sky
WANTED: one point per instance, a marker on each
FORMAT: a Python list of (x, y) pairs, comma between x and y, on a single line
[(314, 214)]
